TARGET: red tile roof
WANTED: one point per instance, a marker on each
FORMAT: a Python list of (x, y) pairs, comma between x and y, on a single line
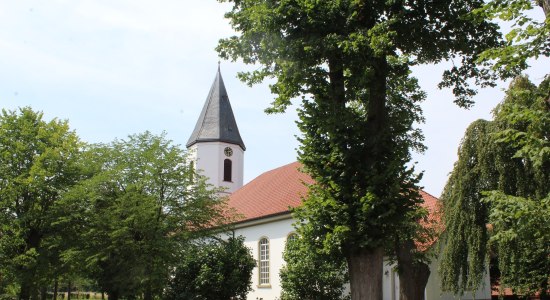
[(433, 221), (273, 192)]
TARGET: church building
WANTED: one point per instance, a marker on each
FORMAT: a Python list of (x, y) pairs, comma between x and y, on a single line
[(217, 150)]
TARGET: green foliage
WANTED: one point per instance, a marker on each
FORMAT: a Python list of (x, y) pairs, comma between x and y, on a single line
[(119, 214), (311, 274), (510, 156), (299, 42), (133, 215), (464, 255), (522, 240), (215, 270), (37, 165), (529, 118), (527, 39), (359, 201)]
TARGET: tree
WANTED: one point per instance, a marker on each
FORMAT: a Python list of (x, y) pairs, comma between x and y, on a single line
[(220, 269), (134, 216), (310, 274), (37, 165), (527, 39), (350, 62), (501, 178)]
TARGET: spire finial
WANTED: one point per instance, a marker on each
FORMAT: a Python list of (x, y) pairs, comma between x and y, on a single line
[(219, 62)]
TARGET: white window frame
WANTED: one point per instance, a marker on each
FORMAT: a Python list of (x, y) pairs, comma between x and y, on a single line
[(264, 263)]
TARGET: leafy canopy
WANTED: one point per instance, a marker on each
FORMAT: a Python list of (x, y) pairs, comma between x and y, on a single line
[(38, 163), (527, 39), (296, 42)]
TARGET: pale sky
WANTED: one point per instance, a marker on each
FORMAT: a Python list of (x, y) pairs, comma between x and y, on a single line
[(120, 67)]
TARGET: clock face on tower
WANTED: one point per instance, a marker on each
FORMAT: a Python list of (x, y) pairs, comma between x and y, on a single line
[(228, 151)]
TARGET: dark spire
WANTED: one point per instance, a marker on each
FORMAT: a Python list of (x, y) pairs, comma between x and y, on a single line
[(216, 122)]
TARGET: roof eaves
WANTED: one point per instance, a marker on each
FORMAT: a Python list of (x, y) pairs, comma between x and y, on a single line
[(254, 219)]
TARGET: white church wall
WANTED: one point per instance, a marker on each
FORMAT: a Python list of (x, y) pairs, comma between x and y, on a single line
[(276, 231), (433, 287), (209, 158)]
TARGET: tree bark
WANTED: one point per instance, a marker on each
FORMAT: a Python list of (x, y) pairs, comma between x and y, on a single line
[(413, 274), (25, 291), (55, 287), (28, 286), (69, 289), (365, 273), (148, 294), (545, 5), (43, 293), (35, 293)]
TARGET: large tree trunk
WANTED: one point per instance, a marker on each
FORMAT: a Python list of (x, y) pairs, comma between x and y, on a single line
[(25, 291), (35, 294), (113, 296), (28, 285), (43, 293), (413, 274), (55, 287), (148, 294), (365, 274), (545, 5), (69, 290)]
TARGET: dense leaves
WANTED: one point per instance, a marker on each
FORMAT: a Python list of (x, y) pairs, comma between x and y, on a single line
[(303, 259), (217, 270), (522, 241), (37, 165), (509, 156), (527, 39)]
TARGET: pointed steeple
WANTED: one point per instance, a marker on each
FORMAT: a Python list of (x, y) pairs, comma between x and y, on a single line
[(216, 122)]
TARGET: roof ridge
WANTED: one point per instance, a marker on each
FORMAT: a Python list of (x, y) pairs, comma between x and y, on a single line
[(422, 190)]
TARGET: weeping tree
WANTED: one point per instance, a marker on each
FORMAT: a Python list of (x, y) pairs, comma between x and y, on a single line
[(501, 179), (508, 159), (343, 58)]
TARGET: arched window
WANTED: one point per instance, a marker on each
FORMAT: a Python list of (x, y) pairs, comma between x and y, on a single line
[(290, 240), (292, 236), (263, 247), (227, 166)]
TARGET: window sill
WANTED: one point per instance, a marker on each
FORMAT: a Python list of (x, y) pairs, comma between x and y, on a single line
[(264, 286)]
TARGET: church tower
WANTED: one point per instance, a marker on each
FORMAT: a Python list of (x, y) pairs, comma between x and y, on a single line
[(215, 146)]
